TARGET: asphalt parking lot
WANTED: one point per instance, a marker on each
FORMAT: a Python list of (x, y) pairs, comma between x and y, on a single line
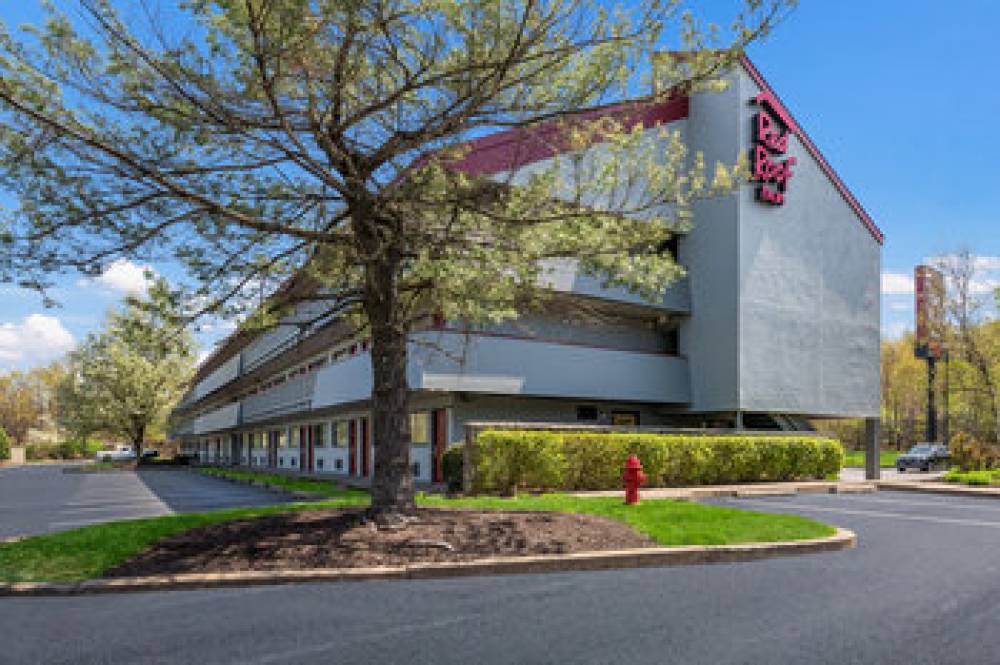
[(38, 499), (922, 588)]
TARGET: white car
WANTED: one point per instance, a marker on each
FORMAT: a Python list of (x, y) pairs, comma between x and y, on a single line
[(119, 454)]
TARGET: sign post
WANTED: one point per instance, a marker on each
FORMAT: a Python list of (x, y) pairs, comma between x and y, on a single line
[(929, 342)]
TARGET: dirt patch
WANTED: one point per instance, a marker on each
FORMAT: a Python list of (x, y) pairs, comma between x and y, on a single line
[(343, 539)]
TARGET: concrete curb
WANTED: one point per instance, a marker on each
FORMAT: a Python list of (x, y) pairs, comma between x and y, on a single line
[(746, 490), (549, 563)]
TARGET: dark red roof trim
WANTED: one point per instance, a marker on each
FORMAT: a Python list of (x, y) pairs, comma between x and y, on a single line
[(794, 127), (514, 148)]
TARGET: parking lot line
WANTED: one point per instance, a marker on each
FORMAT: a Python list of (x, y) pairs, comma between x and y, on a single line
[(976, 503), (869, 513)]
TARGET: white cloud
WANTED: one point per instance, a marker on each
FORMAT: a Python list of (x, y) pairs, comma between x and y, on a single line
[(123, 276), (895, 329), (896, 283), (987, 263), (203, 356), (901, 306), (37, 338), (984, 286)]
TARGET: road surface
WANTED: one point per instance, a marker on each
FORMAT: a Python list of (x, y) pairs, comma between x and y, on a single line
[(923, 587), (38, 499)]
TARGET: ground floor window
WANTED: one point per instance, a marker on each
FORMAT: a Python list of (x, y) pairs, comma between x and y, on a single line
[(319, 435), (341, 431), (625, 418), (420, 427)]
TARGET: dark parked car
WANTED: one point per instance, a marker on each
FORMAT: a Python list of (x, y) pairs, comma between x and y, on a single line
[(922, 456)]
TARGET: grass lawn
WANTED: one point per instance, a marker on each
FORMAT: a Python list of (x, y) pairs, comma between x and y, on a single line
[(886, 458), (991, 477), (87, 552)]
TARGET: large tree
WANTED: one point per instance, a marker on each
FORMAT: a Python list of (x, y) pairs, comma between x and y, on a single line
[(251, 141), (124, 379)]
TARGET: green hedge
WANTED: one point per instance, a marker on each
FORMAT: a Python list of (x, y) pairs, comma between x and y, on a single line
[(509, 459), (4, 445)]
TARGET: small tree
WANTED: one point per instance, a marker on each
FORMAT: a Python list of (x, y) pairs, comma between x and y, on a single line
[(974, 338), (22, 405), (124, 379), (325, 140)]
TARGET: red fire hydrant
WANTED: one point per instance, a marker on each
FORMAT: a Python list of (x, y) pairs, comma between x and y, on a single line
[(632, 477)]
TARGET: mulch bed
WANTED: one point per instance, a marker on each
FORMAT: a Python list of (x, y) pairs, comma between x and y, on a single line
[(344, 539)]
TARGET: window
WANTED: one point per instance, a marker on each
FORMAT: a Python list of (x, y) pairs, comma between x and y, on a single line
[(586, 413), (420, 428), (293, 440), (671, 342), (281, 440), (319, 435), (625, 418), (341, 431)]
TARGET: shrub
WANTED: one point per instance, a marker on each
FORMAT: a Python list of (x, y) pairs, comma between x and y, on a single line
[(452, 467), (511, 460), (508, 460), (4, 445), (970, 454)]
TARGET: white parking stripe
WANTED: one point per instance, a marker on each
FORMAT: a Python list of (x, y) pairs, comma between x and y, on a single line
[(977, 504), (871, 513)]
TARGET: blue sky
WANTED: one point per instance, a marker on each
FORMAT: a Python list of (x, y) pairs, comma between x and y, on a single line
[(899, 96)]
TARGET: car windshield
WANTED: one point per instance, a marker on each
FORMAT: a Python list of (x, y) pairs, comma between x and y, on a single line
[(918, 450)]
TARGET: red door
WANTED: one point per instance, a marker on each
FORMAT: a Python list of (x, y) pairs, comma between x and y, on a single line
[(365, 448), (352, 450), (439, 432)]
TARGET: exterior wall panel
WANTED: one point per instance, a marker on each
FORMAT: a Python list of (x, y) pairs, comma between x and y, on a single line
[(494, 365), (292, 396), (225, 417), (809, 294)]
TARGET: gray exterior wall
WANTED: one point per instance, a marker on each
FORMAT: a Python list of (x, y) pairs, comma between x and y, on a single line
[(784, 299), (808, 284), (502, 366)]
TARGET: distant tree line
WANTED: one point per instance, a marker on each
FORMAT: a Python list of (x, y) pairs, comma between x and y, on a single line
[(967, 384)]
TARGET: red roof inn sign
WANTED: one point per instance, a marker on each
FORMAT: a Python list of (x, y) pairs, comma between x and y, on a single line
[(771, 129)]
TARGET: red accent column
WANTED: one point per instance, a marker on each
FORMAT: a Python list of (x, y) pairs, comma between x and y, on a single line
[(303, 448), (440, 436), (352, 450), (312, 449), (366, 448)]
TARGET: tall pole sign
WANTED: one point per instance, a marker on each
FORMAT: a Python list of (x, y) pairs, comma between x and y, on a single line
[(929, 341)]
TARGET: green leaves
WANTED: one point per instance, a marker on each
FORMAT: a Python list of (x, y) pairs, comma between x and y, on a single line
[(123, 379), (509, 459)]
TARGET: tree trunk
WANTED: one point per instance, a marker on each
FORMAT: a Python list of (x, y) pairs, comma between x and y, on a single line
[(392, 481), (137, 439)]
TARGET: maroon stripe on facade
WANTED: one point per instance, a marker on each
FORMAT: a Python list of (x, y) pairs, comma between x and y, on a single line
[(795, 128), (514, 148)]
